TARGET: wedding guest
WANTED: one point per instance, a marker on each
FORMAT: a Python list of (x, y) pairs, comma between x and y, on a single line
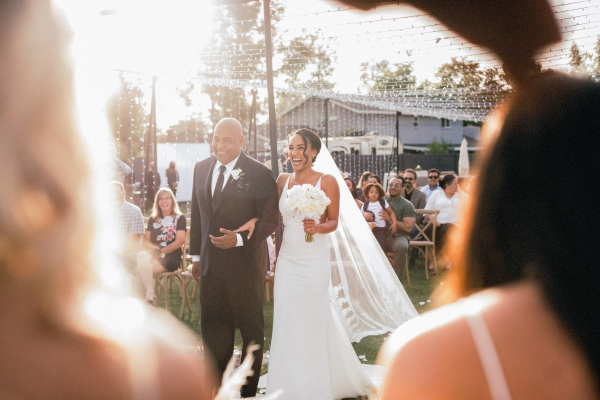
[(66, 333), (416, 197), (375, 179), (164, 237), (525, 328), (172, 178), (364, 179), (372, 212), (418, 200), (352, 188), (404, 211), (433, 177), (128, 224), (449, 202), (152, 185)]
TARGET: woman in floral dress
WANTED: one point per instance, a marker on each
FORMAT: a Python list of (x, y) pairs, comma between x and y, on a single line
[(164, 237)]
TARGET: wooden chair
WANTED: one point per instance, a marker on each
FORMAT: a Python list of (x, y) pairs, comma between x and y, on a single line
[(162, 280), (186, 278), (424, 245)]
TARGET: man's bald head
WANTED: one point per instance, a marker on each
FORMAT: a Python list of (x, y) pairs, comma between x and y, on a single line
[(228, 140), (230, 124)]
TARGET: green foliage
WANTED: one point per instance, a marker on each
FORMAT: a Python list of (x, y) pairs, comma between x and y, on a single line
[(595, 69), (384, 76), (460, 73), (442, 147), (190, 130), (127, 118), (578, 60)]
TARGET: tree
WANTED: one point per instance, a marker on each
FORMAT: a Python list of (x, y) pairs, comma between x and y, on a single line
[(190, 130), (595, 70), (384, 76), (436, 147), (127, 118), (578, 59), (460, 73)]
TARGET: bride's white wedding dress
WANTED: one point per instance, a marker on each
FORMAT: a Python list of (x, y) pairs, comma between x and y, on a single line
[(311, 355)]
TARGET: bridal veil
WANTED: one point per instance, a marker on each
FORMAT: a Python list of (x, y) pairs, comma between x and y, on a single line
[(364, 290)]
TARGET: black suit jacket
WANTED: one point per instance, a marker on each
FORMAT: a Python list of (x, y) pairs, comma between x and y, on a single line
[(252, 195)]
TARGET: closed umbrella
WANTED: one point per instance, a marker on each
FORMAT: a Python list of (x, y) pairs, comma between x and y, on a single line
[(463, 159)]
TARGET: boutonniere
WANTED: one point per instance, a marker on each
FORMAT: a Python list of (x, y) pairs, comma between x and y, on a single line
[(237, 174)]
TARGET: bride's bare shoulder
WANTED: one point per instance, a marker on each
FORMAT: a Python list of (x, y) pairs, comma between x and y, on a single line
[(328, 181), (282, 179)]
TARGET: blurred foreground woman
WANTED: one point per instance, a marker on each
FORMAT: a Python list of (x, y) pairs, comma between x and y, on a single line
[(62, 335), (532, 329)]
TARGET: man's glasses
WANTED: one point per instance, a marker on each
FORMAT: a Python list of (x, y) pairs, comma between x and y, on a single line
[(396, 185), (433, 177), (409, 179)]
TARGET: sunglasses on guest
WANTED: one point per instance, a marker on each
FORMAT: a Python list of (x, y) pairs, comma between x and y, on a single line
[(409, 179), (433, 177)]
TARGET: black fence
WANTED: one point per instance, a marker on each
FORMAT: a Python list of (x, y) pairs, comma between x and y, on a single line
[(355, 165)]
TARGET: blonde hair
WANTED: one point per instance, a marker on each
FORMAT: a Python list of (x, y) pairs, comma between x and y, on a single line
[(157, 212), (45, 241)]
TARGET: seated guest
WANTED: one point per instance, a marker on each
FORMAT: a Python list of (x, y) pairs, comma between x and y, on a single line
[(416, 197), (448, 202), (352, 188), (163, 240), (527, 326), (372, 212), (129, 226), (364, 179), (405, 222), (374, 179), (433, 176), (418, 200)]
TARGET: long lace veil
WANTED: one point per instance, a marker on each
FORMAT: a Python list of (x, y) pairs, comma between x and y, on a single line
[(364, 289)]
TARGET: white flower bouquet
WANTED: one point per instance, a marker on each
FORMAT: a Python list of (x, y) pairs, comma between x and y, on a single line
[(307, 202)]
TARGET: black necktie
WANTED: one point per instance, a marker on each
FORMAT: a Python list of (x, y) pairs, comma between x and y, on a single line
[(218, 187)]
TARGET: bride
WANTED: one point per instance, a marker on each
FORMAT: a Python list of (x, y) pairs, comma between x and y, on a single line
[(311, 356), (337, 289)]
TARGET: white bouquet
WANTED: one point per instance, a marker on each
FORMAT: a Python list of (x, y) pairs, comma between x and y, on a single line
[(307, 202)]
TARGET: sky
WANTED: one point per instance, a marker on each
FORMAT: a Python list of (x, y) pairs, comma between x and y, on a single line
[(164, 38)]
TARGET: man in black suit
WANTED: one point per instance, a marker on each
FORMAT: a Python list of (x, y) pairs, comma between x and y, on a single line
[(229, 190)]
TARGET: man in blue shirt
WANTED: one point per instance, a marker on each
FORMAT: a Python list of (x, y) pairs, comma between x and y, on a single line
[(433, 176)]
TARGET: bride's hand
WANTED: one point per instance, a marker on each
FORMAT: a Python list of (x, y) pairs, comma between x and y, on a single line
[(248, 226), (310, 226)]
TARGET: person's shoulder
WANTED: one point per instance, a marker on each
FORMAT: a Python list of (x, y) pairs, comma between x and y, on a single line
[(282, 178), (205, 163), (252, 164), (415, 350), (328, 179)]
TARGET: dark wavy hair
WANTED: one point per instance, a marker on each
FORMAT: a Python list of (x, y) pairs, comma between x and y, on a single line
[(551, 129), (368, 187), (308, 136), (353, 191), (447, 180)]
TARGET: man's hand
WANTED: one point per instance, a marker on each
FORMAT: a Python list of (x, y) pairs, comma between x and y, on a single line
[(196, 270), (369, 217), (227, 241), (384, 214)]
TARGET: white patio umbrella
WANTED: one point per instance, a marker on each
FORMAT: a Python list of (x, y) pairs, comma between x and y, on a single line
[(463, 159)]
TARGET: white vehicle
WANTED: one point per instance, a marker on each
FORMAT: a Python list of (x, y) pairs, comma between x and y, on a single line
[(371, 143)]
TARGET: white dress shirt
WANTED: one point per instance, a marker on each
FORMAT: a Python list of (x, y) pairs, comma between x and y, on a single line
[(449, 209), (213, 183)]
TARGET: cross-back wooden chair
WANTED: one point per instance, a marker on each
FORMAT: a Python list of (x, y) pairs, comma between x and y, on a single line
[(186, 278), (426, 243), (162, 280)]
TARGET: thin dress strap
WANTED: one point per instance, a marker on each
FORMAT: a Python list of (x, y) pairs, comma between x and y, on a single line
[(488, 357), (319, 183)]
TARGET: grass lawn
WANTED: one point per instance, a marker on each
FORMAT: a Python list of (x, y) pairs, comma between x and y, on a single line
[(420, 292)]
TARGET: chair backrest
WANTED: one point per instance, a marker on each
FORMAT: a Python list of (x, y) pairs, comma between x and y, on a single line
[(427, 225), (185, 247)]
